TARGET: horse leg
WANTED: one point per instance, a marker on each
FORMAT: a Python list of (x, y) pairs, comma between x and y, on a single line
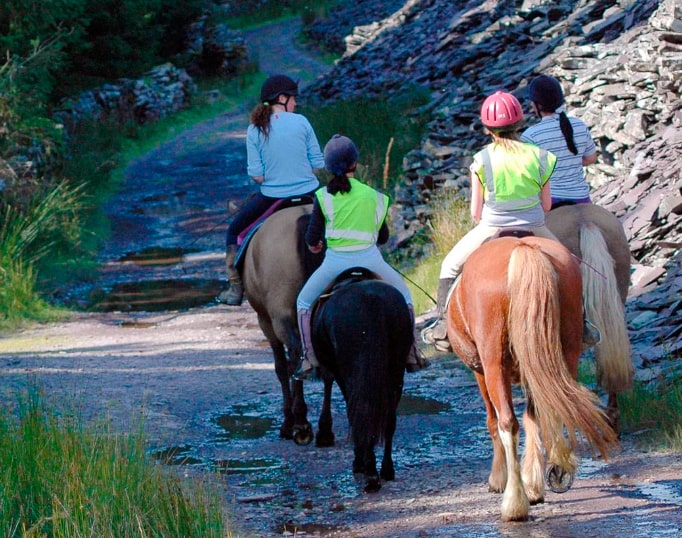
[(302, 430), (515, 505), (282, 370), (325, 434), (533, 461), (498, 472), (372, 482), (613, 413), (364, 462), (387, 467)]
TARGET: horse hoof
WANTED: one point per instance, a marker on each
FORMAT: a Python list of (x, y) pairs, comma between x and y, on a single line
[(558, 480), (303, 435), (324, 441), (373, 485)]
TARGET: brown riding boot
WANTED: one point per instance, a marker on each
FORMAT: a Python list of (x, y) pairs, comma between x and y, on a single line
[(233, 295), (415, 359), (437, 333)]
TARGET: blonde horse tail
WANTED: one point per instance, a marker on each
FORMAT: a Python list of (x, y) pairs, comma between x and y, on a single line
[(534, 324), (604, 307)]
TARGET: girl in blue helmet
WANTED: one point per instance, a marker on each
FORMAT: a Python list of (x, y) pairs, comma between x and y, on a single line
[(350, 217)]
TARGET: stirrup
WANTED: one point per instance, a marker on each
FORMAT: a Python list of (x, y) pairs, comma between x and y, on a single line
[(306, 371), (428, 337), (233, 296)]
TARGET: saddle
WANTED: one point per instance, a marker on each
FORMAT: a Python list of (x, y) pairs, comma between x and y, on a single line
[(245, 236), (347, 277), (514, 232)]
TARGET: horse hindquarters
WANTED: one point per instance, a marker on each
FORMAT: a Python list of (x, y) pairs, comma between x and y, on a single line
[(363, 334), (595, 235)]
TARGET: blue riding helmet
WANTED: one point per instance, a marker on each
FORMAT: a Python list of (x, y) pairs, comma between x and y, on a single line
[(340, 155)]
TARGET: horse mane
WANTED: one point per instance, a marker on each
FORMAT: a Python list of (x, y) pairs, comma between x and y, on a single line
[(309, 261)]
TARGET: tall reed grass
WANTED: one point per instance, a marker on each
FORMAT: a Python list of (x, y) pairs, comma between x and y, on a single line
[(26, 238), (450, 221), (383, 129), (65, 479)]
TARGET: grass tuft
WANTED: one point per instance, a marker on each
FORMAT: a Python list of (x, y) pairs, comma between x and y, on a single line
[(65, 479)]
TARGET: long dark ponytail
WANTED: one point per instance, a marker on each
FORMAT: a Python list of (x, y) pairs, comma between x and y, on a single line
[(339, 183), (567, 131)]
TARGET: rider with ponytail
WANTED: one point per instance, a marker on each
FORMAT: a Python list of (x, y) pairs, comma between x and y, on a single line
[(349, 218), (283, 155), (510, 188), (566, 137)]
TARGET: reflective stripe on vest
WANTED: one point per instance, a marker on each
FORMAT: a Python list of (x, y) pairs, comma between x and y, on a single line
[(365, 228), (493, 200)]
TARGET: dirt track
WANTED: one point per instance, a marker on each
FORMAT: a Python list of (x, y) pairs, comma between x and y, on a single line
[(204, 383)]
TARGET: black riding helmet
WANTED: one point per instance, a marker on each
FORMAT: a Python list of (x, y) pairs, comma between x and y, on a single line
[(340, 155), (277, 85), (546, 92)]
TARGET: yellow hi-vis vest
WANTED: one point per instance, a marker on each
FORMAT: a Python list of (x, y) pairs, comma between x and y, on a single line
[(353, 219), (512, 179)]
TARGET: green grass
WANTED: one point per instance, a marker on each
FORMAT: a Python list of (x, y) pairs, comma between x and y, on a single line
[(384, 130), (653, 411), (451, 220), (62, 479)]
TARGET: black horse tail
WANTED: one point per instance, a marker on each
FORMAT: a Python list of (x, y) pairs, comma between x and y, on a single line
[(370, 389)]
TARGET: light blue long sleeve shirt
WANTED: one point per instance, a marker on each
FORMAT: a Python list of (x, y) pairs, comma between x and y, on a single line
[(287, 158)]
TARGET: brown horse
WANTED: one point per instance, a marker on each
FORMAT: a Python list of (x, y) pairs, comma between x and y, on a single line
[(596, 236), (515, 317), (275, 267)]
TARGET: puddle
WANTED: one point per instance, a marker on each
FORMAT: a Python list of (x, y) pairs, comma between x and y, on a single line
[(236, 466), (305, 529), (420, 405), (176, 455), (155, 295), (668, 491), (156, 256), (238, 427)]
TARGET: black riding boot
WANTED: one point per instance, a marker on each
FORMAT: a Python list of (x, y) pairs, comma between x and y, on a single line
[(436, 333)]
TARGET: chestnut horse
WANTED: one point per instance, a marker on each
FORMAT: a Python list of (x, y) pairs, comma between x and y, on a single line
[(514, 317), (596, 236), (276, 265)]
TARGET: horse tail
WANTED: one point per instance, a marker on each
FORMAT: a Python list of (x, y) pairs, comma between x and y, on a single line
[(369, 391), (604, 307), (534, 323)]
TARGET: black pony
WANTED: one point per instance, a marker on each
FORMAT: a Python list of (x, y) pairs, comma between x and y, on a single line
[(362, 334)]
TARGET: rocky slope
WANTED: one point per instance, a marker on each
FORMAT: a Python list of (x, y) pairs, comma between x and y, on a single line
[(620, 63)]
